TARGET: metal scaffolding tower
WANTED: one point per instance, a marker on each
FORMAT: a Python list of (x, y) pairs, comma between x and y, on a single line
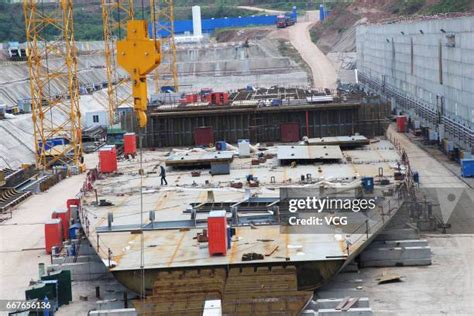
[(54, 85), (115, 14), (166, 75)]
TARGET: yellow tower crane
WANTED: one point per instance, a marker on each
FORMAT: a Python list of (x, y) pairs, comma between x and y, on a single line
[(138, 55), (115, 14), (166, 75), (54, 85)]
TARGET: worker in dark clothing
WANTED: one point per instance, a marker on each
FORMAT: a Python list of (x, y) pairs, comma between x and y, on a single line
[(163, 175)]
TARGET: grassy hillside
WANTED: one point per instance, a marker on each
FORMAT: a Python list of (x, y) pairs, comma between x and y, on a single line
[(11, 26), (446, 6), (88, 17)]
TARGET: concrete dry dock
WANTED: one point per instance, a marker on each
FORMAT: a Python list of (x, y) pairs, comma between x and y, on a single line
[(432, 172), (444, 288), (22, 237)]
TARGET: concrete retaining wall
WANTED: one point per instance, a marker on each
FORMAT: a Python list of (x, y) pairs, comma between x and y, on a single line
[(427, 68)]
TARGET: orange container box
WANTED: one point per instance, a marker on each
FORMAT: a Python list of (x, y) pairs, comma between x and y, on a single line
[(53, 234), (65, 216), (217, 233), (130, 144), (108, 159), (70, 202), (401, 123)]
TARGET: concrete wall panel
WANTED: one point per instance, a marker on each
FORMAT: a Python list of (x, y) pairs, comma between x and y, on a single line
[(385, 56)]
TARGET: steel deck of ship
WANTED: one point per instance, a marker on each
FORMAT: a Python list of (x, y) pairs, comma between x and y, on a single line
[(178, 248)]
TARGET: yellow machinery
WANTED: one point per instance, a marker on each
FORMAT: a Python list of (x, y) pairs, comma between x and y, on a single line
[(113, 12), (138, 55), (166, 75), (54, 85), (2, 178)]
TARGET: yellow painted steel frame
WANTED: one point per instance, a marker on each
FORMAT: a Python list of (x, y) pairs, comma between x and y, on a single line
[(54, 84), (138, 55), (166, 75), (113, 13)]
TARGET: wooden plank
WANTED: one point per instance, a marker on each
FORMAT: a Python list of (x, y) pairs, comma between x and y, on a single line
[(351, 303), (272, 251), (343, 303)]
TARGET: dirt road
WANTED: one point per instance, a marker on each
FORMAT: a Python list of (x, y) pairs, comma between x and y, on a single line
[(324, 73)]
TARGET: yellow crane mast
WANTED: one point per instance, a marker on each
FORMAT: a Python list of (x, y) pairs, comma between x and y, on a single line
[(166, 75), (54, 85), (115, 14)]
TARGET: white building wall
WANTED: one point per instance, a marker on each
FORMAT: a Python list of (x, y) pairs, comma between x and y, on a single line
[(96, 118)]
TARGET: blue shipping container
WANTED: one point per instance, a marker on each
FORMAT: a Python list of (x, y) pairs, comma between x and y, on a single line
[(467, 168)]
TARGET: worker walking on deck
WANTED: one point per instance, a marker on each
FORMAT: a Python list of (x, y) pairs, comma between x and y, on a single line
[(163, 175)]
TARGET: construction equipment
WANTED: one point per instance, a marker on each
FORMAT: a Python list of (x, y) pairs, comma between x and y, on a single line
[(16, 51), (166, 75), (54, 86), (139, 56), (113, 12)]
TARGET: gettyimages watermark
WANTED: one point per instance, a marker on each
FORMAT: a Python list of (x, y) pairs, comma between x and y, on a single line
[(450, 209), (313, 212), (446, 209)]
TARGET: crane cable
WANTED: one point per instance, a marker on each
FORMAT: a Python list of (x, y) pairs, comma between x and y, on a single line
[(141, 172), (142, 237)]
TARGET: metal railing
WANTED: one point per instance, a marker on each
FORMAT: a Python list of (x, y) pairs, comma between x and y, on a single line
[(457, 130)]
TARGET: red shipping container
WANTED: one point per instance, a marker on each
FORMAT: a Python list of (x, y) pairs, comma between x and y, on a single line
[(191, 98), (203, 136), (129, 144), (290, 132), (219, 98), (53, 234), (65, 216), (206, 97), (401, 123), (217, 233), (70, 202), (108, 159)]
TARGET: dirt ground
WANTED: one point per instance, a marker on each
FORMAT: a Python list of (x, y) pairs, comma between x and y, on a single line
[(234, 35)]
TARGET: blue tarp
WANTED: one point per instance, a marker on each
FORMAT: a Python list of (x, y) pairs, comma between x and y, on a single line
[(210, 25)]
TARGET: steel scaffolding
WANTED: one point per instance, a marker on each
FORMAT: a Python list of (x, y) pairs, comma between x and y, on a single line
[(54, 85)]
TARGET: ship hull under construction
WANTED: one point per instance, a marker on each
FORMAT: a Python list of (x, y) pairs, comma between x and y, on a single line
[(155, 242)]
